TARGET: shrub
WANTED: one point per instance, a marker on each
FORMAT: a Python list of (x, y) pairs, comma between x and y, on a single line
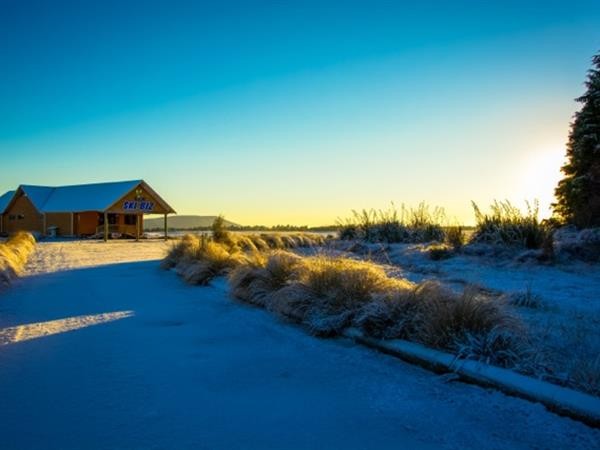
[(262, 275), (455, 237), (198, 259), (219, 230), (446, 320), (578, 244), (507, 225), (526, 299), (13, 256), (413, 225), (438, 252), (329, 294)]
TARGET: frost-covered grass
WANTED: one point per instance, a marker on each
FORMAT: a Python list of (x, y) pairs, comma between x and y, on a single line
[(421, 224), (13, 256), (198, 259), (330, 294), (506, 224), (566, 346)]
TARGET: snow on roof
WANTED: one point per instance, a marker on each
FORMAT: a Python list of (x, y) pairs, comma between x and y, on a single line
[(37, 194), (82, 197), (5, 200), (87, 197)]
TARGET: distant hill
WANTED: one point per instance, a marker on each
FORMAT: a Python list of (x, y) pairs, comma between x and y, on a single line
[(183, 222)]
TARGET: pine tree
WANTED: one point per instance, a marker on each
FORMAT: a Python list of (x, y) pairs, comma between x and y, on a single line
[(578, 193)]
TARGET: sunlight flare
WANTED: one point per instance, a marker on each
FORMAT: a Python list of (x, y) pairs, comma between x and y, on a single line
[(540, 176)]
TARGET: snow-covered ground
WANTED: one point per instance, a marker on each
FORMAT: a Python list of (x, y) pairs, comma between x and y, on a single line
[(53, 256), (100, 349)]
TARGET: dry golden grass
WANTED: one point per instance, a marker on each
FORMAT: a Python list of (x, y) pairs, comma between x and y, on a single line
[(198, 259), (13, 256), (263, 275), (329, 294)]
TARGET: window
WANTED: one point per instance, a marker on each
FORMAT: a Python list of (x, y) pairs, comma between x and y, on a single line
[(12, 217), (130, 219), (112, 219), (20, 216)]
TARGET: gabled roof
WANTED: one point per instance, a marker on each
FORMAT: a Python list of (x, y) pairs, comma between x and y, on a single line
[(81, 197), (38, 195), (5, 200), (87, 197)]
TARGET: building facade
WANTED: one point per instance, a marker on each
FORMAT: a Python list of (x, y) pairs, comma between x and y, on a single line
[(104, 209)]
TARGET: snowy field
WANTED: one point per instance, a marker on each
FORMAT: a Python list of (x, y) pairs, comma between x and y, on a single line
[(53, 256), (100, 349)]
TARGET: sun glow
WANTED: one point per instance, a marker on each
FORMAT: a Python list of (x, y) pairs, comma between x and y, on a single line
[(36, 330), (539, 177)]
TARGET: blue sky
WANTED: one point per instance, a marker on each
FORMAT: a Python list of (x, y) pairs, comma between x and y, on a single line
[(294, 112)]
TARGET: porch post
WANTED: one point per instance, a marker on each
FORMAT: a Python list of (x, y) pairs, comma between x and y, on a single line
[(105, 226), (137, 227), (72, 224), (165, 227)]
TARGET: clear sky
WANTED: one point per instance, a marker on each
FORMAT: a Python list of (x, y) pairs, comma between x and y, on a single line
[(294, 112)]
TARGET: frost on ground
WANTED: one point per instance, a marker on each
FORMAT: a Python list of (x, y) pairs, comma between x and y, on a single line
[(136, 360), (53, 256), (560, 303)]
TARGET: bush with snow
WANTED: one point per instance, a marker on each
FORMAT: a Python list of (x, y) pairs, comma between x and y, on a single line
[(571, 243), (506, 225), (411, 225)]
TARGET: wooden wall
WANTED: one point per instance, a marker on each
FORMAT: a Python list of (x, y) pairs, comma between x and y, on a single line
[(31, 220), (86, 223), (60, 220)]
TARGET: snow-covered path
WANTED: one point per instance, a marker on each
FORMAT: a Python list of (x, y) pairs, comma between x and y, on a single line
[(126, 356)]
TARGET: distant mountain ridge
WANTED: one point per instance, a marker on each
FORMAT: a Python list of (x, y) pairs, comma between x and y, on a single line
[(184, 222)]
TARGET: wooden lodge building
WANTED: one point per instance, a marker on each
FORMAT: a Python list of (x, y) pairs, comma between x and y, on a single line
[(103, 209)]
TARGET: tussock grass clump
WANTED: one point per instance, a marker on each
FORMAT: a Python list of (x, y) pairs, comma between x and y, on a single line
[(261, 242), (507, 225), (13, 256), (411, 225), (263, 274), (526, 299), (438, 252), (198, 259), (455, 237), (330, 294)]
